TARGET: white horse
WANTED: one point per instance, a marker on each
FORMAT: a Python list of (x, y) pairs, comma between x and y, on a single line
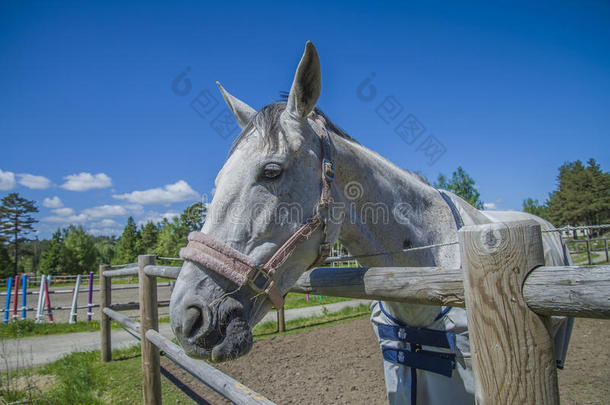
[(294, 184)]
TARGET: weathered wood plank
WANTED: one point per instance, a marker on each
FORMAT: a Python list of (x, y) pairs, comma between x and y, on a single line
[(511, 346), (122, 319), (127, 271), (163, 271), (105, 300), (210, 376), (578, 291), (416, 285), (149, 320)]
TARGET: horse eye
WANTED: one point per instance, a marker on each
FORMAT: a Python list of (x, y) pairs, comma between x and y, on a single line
[(272, 170)]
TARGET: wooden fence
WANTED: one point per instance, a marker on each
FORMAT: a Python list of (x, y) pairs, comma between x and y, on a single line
[(152, 342), (503, 283), (509, 295)]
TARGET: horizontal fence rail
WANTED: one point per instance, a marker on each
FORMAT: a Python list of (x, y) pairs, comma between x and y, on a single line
[(578, 291), (210, 376)]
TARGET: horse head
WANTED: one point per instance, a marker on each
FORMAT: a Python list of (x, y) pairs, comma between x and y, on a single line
[(267, 223)]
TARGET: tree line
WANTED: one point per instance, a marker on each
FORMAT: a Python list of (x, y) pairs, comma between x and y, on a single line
[(581, 197), (72, 250)]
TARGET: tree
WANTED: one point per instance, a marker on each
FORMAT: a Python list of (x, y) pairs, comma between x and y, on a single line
[(150, 233), (172, 237), (194, 216), (128, 245), (105, 248), (16, 222), (52, 260), (461, 184), (80, 254), (534, 207), (6, 265), (582, 196)]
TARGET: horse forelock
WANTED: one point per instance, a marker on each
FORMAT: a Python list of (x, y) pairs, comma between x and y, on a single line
[(266, 123)]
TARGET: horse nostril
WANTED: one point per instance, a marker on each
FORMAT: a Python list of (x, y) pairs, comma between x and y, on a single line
[(196, 322)]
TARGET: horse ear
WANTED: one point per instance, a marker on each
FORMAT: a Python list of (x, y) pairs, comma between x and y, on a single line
[(306, 85), (243, 112)]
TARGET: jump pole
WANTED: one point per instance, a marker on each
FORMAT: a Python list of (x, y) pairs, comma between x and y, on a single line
[(90, 302), (73, 311), (40, 299), (24, 299), (7, 306), (47, 299), (16, 299)]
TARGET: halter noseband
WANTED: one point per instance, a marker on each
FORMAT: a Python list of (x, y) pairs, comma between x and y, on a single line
[(242, 269)]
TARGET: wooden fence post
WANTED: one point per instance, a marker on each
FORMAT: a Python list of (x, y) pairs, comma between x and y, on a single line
[(281, 323), (606, 249), (588, 243), (511, 346), (149, 319), (105, 300)]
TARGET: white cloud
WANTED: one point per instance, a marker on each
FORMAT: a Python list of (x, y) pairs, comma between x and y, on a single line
[(489, 206), (106, 223), (170, 193), (63, 212), (70, 219), (7, 180), (105, 211), (86, 181), (156, 217), (54, 202), (34, 182)]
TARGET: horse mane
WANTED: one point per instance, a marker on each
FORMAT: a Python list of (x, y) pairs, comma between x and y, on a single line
[(267, 124)]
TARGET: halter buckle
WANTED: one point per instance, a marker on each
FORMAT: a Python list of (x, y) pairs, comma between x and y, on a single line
[(328, 168), (260, 281)]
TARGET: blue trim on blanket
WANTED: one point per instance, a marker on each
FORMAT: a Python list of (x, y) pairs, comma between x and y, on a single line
[(418, 359)]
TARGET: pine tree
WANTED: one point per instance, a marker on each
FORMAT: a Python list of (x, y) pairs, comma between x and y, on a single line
[(194, 216), (150, 233), (16, 222), (582, 195), (128, 245), (461, 184), (52, 260)]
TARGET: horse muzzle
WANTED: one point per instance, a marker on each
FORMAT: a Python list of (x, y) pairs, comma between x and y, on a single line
[(207, 324)]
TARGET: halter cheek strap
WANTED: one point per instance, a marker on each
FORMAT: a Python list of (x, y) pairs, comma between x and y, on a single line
[(242, 269)]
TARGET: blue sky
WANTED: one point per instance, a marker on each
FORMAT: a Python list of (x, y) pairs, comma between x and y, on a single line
[(509, 91)]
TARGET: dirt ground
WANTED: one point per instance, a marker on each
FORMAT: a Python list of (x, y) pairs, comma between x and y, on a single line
[(342, 365)]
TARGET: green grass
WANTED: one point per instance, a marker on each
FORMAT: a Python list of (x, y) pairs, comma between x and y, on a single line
[(296, 300), (81, 378), (268, 329)]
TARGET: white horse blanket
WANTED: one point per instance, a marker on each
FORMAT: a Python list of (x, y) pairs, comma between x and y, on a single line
[(432, 388)]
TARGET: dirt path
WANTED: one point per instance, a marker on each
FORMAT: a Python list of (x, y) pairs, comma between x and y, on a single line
[(342, 365)]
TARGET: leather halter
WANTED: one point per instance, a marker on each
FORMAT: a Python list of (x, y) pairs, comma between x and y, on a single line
[(242, 269)]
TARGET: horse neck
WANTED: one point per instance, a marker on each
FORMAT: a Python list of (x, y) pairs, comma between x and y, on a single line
[(414, 214)]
